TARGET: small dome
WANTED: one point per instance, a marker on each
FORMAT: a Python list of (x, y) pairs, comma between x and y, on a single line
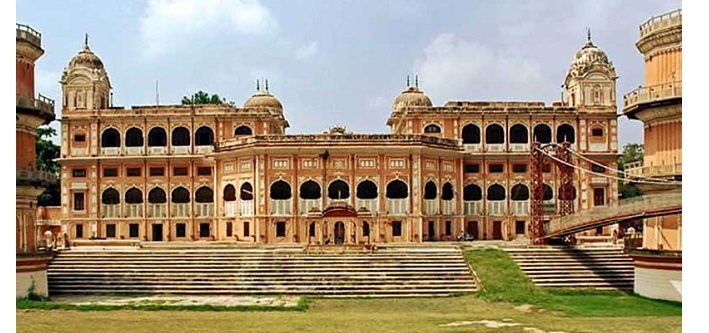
[(86, 58), (263, 99), (412, 96), (589, 58)]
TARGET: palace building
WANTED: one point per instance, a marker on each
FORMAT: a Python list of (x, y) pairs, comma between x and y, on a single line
[(226, 173)]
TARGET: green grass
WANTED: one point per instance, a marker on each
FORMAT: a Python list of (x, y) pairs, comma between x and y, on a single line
[(503, 281)]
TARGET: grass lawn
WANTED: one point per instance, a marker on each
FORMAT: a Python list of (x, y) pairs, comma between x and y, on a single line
[(505, 287)]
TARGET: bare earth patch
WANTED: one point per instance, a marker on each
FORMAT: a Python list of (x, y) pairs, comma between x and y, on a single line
[(283, 301), (486, 323)]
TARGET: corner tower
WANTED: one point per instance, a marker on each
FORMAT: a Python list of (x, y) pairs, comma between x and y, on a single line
[(590, 81)]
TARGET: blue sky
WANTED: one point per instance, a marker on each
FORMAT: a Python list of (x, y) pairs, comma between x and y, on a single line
[(339, 62)]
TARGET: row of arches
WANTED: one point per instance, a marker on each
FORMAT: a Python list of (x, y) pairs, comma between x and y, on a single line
[(157, 195), (157, 136), (518, 133), (519, 192), (338, 189)]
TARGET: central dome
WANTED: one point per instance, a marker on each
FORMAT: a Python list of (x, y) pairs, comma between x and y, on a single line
[(86, 58), (412, 96), (263, 99)]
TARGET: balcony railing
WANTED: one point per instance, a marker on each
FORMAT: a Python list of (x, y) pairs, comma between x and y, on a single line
[(246, 207), (306, 205), (180, 209), (333, 201), (654, 170), (134, 210), (110, 211), (134, 150), (79, 151), (111, 151), (430, 206), (673, 18), (520, 207), (180, 150), (495, 147), (204, 209), (27, 33), (472, 207), (42, 103), (204, 149), (157, 210), (472, 147), (157, 150), (397, 206), (448, 207), (496, 208), (280, 207), (371, 205), (519, 147), (229, 208), (549, 207), (652, 94), (32, 174)]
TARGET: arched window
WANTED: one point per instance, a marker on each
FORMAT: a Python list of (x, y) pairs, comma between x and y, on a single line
[(565, 133), (134, 137), (430, 191), (247, 192), (229, 193), (110, 197), (367, 190), (243, 130), (471, 134), (542, 133), (204, 136), (338, 190), (519, 134), (180, 136), (134, 196), (310, 190), (548, 193), (180, 195), (472, 192), (432, 129), (519, 192), (596, 95), (204, 194), (157, 196), (397, 190), (110, 138), (157, 137), (494, 134), (280, 190), (447, 191), (495, 192)]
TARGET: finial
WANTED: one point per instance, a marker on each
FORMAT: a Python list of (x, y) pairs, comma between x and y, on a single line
[(266, 85), (417, 80), (588, 32), (86, 40), (408, 80), (258, 88)]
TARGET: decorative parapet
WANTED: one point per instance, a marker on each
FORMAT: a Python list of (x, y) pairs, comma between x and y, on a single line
[(35, 177), (42, 104), (639, 170), (661, 22), (643, 95), (26, 33), (341, 139)]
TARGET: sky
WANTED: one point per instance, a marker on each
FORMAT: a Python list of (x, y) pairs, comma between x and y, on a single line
[(340, 62)]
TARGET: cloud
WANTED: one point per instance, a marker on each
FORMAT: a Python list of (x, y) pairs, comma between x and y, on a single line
[(167, 24), (307, 51), (452, 68)]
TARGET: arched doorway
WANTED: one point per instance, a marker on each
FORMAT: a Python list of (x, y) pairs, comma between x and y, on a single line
[(339, 233)]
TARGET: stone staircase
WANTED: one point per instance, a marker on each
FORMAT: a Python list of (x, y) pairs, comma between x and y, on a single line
[(564, 267), (384, 273)]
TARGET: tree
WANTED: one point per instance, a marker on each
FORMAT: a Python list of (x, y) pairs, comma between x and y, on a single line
[(46, 152), (632, 152), (202, 97)]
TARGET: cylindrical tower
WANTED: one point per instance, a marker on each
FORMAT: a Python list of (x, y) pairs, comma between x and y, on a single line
[(31, 112)]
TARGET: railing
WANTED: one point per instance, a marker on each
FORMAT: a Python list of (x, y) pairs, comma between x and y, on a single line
[(180, 209), (673, 18), (371, 205), (306, 205), (229, 208), (496, 207), (26, 32), (34, 174), (520, 207), (652, 94), (79, 151), (476, 147), (246, 207), (430, 206), (332, 201), (134, 150), (157, 150), (495, 147), (134, 210), (41, 103), (599, 180), (204, 149), (204, 209), (549, 207), (110, 211), (157, 210), (49, 222), (472, 207), (180, 150), (398, 206), (654, 170), (519, 147), (110, 151), (448, 207), (280, 207)]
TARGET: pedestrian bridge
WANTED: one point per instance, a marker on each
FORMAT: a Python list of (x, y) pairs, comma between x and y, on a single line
[(652, 205)]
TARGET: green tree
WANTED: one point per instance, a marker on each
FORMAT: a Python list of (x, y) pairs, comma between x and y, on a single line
[(202, 97), (632, 152), (47, 151)]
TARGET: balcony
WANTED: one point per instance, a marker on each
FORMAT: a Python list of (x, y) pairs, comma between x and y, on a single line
[(42, 105), (644, 95), (664, 21), (372, 205), (204, 149), (110, 211), (246, 207), (134, 210), (280, 207), (472, 147), (110, 151), (135, 150), (430, 206), (520, 207), (496, 208), (157, 150), (472, 208), (397, 206), (549, 207), (307, 205), (34, 176), (448, 207), (180, 209), (26, 33), (637, 169), (79, 151), (157, 210), (495, 147), (229, 208), (204, 209), (519, 147), (180, 150)]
